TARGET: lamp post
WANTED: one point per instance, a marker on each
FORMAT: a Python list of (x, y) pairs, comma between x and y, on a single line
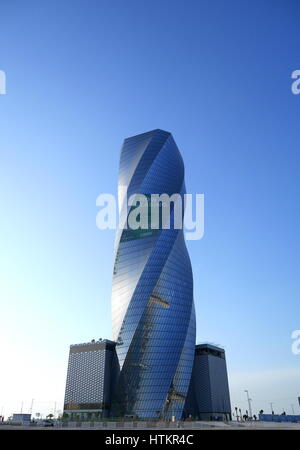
[(241, 417), (249, 403), (236, 414)]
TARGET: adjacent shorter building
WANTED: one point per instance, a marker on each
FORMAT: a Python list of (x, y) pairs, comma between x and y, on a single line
[(208, 397), (92, 372)]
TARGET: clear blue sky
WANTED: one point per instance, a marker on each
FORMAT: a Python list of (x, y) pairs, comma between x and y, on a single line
[(82, 76)]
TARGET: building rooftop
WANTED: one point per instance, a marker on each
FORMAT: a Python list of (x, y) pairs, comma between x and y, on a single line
[(210, 345), (94, 341), (100, 344)]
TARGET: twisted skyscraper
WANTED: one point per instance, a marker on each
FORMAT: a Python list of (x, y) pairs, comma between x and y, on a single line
[(152, 294)]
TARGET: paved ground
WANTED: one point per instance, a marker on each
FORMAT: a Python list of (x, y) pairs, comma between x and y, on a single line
[(195, 426)]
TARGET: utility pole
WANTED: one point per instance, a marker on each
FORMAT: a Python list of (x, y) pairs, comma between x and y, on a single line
[(31, 406), (293, 411), (271, 404), (249, 403)]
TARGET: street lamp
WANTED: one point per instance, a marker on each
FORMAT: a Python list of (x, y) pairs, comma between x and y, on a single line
[(249, 403), (236, 413)]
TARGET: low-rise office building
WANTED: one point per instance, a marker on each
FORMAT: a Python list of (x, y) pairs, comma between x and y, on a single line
[(92, 371), (21, 418), (208, 397)]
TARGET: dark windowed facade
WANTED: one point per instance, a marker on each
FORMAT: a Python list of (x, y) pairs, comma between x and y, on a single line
[(208, 397)]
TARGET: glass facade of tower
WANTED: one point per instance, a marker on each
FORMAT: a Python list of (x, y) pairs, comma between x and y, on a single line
[(152, 294)]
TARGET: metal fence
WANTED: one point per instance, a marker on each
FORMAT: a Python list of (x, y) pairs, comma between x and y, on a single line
[(279, 418)]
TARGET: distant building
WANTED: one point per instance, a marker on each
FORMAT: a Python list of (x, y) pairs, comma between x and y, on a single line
[(23, 418), (208, 397), (92, 370)]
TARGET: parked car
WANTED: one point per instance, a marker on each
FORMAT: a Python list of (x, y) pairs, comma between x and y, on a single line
[(47, 423)]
